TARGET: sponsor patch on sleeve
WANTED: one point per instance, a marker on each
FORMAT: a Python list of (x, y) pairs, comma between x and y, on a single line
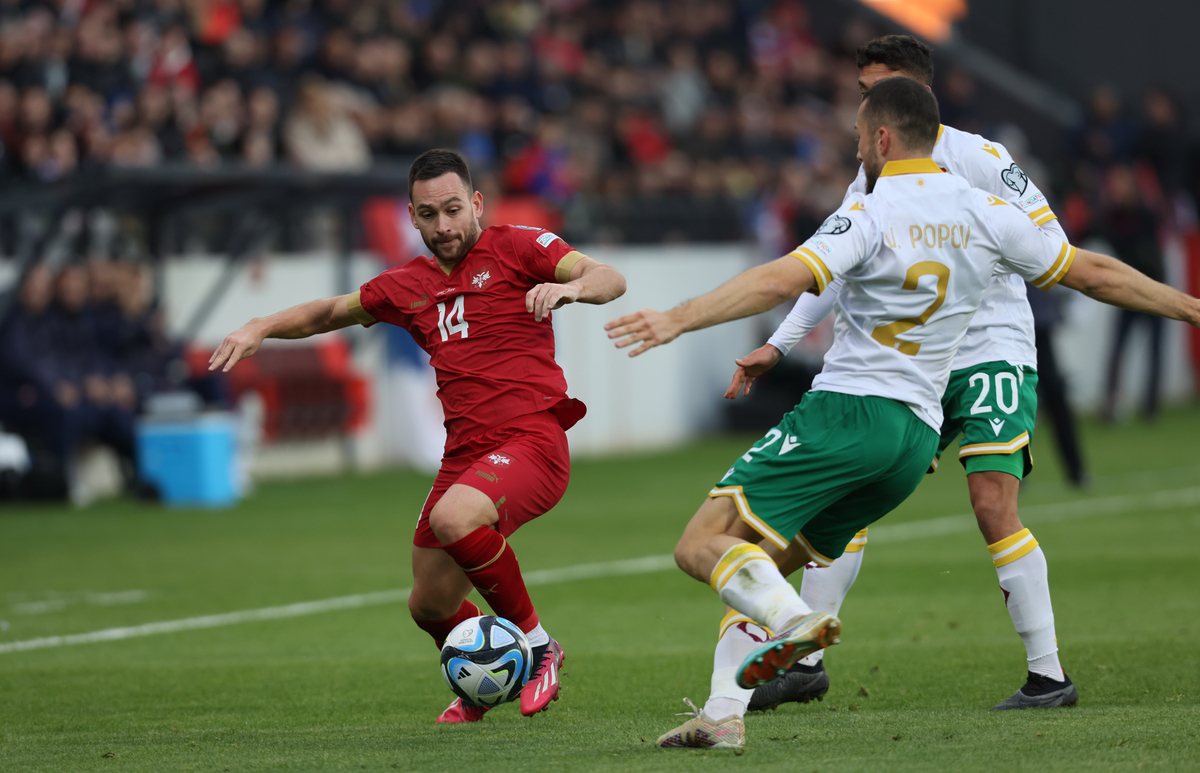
[(1033, 201), (547, 239)]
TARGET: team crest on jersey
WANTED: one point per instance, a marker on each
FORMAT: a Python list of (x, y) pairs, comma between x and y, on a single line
[(1014, 178), (500, 460), (834, 225), (547, 239), (480, 280)]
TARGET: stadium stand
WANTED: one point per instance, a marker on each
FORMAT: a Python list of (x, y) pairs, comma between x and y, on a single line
[(130, 128)]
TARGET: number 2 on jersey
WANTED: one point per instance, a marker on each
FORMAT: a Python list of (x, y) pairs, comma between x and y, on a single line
[(447, 324), (886, 334)]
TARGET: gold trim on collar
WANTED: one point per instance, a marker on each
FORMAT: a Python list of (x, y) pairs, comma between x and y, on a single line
[(941, 128), (910, 166)]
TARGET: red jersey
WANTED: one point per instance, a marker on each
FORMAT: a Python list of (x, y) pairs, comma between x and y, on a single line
[(493, 361)]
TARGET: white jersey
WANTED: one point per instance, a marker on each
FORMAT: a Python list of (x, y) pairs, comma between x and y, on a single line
[(916, 257), (1002, 329)]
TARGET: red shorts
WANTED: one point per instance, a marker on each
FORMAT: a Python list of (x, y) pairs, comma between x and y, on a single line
[(522, 466)]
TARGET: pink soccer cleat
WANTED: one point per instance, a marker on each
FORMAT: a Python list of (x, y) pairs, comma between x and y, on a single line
[(462, 712), (542, 687)]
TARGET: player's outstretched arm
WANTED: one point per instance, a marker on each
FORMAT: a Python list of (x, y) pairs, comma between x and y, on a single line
[(751, 367), (804, 316), (1113, 282), (307, 319), (750, 292), (590, 281)]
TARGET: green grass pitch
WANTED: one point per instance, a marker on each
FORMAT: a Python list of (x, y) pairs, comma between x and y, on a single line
[(927, 645)]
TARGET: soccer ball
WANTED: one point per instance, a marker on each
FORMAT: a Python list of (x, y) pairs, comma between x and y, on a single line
[(486, 661)]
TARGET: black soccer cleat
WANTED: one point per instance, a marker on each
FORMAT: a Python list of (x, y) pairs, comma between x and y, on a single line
[(1041, 692), (800, 684)]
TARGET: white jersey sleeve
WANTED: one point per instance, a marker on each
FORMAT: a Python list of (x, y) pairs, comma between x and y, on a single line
[(844, 240), (1028, 251), (991, 168), (805, 315)]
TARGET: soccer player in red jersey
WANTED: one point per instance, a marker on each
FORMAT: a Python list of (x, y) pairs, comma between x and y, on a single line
[(481, 308)]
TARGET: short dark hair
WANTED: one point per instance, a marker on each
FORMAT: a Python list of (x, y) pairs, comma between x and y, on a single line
[(899, 53), (907, 108), (434, 163)]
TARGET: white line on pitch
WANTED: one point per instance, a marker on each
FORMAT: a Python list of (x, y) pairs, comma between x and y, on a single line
[(358, 600), (901, 532)]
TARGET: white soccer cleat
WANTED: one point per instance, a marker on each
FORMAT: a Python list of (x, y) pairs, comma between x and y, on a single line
[(700, 732)]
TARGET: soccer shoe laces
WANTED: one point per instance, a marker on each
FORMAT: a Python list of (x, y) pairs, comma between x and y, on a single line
[(695, 712)]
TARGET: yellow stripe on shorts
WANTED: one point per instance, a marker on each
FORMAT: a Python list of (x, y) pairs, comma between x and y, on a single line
[(858, 543), (979, 449), (743, 506)]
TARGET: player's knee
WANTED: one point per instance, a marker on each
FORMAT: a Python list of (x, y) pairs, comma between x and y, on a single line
[(451, 523), (423, 606), (459, 513), (684, 554), (444, 524)]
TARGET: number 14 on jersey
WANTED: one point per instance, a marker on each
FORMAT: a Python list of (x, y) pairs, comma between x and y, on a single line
[(455, 321)]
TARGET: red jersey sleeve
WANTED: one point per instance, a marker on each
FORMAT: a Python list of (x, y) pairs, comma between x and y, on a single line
[(544, 255), (384, 298)]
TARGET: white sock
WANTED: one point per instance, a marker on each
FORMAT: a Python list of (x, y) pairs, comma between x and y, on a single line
[(824, 588), (738, 638), (1021, 568), (749, 581), (538, 636)]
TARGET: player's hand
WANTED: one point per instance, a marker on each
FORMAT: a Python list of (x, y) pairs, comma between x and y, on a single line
[(649, 327), (544, 298), (237, 346), (751, 367)]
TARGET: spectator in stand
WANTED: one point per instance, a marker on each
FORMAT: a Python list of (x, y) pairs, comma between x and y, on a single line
[(1131, 227), (77, 341), (37, 399), (320, 134), (1107, 135), (52, 390), (1164, 141)]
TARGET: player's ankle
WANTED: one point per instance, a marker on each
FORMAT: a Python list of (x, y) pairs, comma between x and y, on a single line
[(537, 636)]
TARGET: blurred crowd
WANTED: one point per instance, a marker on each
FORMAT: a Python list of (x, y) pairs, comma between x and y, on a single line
[(79, 356), (558, 99), (1130, 184), (634, 121)]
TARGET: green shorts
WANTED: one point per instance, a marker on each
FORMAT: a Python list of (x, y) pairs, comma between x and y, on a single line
[(834, 465), (993, 405)]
